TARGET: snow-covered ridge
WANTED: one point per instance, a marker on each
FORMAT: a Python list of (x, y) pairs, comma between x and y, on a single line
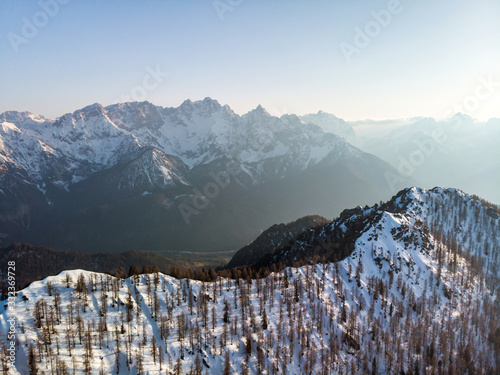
[(412, 218), (153, 169), (418, 292)]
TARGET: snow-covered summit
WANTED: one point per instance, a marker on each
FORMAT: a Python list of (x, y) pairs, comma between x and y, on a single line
[(410, 220)]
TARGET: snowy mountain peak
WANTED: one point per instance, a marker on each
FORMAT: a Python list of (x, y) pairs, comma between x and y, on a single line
[(259, 111), (208, 101), (143, 107), (229, 111), (90, 113), (23, 119), (458, 121), (188, 103), (95, 109), (448, 211), (134, 116), (206, 106)]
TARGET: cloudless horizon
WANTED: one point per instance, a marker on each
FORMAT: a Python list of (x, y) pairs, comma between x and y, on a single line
[(426, 59)]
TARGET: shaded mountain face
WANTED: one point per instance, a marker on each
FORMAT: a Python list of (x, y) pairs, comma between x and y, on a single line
[(275, 237), (37, 262), (417, 290), (196, 177)]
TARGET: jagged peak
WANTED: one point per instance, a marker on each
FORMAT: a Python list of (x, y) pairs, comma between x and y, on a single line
[(143, 104), (408, 208), (16, 117), (8, 114), (85, 113), (206, 104), (463, 116), (92, 107), (186, 103), (209, 100), (258, 111), (229, 110), (326, 114), (410, 198), (321, 114)]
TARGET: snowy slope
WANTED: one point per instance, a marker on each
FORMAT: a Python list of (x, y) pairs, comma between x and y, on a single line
[(89, 134), (152, 170), (37, 159), (401, 300), (418, 214), (64, 151)]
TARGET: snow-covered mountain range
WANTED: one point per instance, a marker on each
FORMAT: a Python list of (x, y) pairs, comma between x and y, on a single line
[(196, 132), (416, 291), (137, 175), (98, 164)]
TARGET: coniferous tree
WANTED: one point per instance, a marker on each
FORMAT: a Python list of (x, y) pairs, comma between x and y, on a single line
[(264, 320), (32, 361), (197, 365), (227, 364), (178, 367)]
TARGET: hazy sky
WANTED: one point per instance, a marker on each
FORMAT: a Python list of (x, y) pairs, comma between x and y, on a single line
[(426, 59)]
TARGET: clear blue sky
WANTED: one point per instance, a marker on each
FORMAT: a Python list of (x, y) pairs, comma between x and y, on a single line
[(285, 55)]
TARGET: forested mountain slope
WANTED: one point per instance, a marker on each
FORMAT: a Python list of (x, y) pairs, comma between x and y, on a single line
[(417, 293)]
